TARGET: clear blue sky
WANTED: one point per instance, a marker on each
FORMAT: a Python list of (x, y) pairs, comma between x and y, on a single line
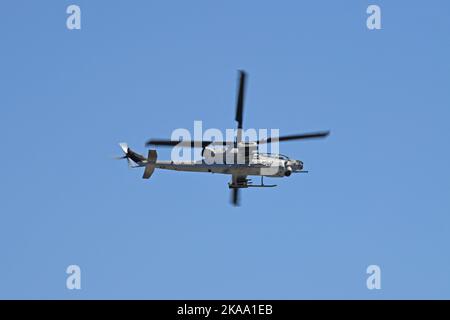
[(378, 189)]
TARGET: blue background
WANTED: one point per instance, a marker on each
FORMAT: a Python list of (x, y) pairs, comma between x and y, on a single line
[(378, 188)]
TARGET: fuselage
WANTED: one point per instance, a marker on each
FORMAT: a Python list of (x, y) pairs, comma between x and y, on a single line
[(269, 165)]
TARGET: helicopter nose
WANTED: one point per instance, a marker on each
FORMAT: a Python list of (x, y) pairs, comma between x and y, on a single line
[(294, 165)]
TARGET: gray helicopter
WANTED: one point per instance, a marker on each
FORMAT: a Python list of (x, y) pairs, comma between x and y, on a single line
[(238, 158)]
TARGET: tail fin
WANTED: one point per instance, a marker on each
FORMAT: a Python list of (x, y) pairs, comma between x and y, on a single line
[(150, 167)]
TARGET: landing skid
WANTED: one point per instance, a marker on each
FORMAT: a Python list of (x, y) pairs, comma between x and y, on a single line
[(261, 185), (248, 184)]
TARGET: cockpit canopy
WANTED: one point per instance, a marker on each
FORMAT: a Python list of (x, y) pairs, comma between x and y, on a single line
[(275, 155)]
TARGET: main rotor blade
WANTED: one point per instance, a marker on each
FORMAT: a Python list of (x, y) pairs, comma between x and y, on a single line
[(303, 136), (181, 143), (240, 99), (235, 197)]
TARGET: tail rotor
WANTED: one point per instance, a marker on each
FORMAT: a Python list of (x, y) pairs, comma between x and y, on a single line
[(126, 155)]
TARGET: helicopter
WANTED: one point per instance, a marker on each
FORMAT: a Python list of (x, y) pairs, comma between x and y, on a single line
[(239, 158)]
